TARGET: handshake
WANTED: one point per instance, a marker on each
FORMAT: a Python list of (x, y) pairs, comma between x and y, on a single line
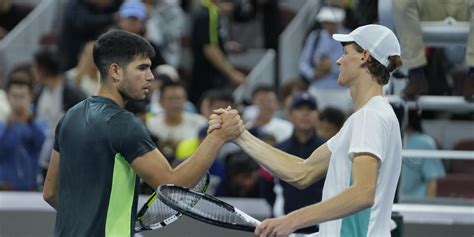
[(226, 124)]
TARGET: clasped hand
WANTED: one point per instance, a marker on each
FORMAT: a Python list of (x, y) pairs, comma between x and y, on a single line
[(227, 123)]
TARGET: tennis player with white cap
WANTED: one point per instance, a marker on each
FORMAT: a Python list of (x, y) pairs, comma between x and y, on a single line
[(361, 163)]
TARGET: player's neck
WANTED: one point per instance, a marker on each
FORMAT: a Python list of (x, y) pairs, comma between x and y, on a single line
[(363, 91), (111, 93)]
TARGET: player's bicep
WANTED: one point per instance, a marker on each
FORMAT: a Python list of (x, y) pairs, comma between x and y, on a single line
[(365, 169), (153, 168), (318, 162)]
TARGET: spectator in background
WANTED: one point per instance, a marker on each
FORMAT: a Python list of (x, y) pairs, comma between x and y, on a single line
[(407, 15), (174, 124), (351, 21), (57, 94), (330, 122), (304, 140), (21, 138), (318, 63), (133, 17), (365, 11), (11, 13), (4, 106), (262, 115), (241, 179), (24, 72), (215, 99), (85, 75), (211, 68), (83, 20), (269, 13), (288, 90), (419, 175), (163, 74), (165, 26), (271, 21), (21, 72), (55, 97)]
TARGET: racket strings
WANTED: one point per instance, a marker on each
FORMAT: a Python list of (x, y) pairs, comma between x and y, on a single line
[(159, 212), (203, 207)]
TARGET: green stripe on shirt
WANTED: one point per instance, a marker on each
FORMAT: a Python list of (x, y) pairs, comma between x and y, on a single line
[(119, 211), (213, 21), (357, 224)]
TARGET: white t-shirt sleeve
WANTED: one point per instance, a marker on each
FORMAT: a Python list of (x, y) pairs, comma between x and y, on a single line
[(331, 143), (367, 134)]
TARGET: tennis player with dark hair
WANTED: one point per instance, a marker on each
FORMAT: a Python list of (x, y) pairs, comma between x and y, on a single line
[(361, 162), (100, 148)]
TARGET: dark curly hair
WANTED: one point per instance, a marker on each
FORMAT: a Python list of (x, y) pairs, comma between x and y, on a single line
[(121, 47)]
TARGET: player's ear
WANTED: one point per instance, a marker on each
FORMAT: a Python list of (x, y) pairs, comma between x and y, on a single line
[(115, 72), (365, 56)]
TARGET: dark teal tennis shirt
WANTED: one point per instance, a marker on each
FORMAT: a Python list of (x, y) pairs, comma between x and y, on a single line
[(97, 141)]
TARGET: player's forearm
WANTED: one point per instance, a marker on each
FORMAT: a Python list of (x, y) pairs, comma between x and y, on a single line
[(218, 60), (50, 194), (287, 167), (189, 172), (348, 202)]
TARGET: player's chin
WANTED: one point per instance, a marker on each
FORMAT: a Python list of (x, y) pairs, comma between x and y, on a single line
[(139, 97), (340, 81)]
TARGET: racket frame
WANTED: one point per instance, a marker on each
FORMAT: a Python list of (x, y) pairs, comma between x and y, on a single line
[(172, 203), (151, 199), (142, 227)]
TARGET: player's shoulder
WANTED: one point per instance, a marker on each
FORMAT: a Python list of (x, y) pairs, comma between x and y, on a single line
[(376, 113), (74, 112), (123, 117), (379, 107), (124, 123), (107, 109)]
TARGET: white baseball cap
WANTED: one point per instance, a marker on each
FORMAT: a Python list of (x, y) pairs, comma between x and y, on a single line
[(331, 14), (168, 70), (379, 40)]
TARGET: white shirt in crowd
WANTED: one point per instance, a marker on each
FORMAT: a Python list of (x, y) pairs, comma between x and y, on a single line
[(188, 128), (278, 128), (50, 106), (4, 106)]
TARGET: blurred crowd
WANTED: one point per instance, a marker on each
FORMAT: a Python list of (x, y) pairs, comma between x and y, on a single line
[(297, 116)]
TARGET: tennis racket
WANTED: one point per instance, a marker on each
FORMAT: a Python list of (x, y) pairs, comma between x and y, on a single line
[(155, 214), (205, 208)]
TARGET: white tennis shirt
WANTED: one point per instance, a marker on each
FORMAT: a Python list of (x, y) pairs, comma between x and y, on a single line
[(372, 129)]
